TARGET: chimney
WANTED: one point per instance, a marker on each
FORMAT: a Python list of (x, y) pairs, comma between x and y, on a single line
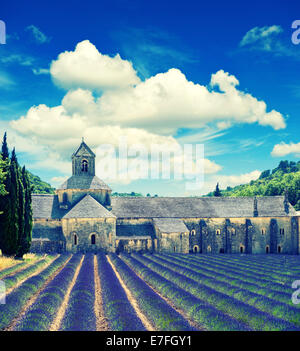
[(255, 211)]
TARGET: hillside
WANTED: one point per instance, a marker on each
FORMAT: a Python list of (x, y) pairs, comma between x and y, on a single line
[(272, 182), (39, 186)]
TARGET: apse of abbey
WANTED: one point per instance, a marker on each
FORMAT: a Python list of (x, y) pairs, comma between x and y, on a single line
[(83, 216)]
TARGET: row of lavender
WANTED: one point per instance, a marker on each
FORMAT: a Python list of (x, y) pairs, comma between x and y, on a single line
[(223, 299), (17, 299), (272, 262), (197, 309), (234, 271), (277, 268), (119, 313), (158, 312), (279, 305), (43, 311), (259, 282)]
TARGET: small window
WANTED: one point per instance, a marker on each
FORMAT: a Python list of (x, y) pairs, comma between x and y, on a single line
[(208, 248), (222, 250), (196, 249), (263, 231), (193, 232), (241, 249), (279, 249), (281, 231), (218, 231), (267, 249), (75, 240), (84, 166), (174, 248), (233, 231), (93, 239)]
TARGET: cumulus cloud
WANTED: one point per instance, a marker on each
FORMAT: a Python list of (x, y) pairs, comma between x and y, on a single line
[(148, 112), (86, 67), (284, 149)]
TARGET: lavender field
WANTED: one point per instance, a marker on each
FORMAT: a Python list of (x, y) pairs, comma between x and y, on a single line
[(162, 292)]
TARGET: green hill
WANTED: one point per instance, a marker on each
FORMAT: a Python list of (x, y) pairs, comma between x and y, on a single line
[(272, 182), (39, 186)]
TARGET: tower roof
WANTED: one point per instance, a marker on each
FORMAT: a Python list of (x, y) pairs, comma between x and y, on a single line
[(83, 150), (84, 182)]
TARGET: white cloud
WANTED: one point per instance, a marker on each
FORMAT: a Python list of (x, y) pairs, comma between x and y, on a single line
[(39, 71), (227, 180), (87, 68), (37, 34), (262, 36), (284, 149), (147, 112), (23, 60)]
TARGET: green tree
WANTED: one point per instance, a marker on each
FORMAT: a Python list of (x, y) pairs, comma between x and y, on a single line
[(26, 236), (4, 198), (217, 191), (11, 230)]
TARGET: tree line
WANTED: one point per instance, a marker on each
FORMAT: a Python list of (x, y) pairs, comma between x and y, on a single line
[(15, 205), (285, 177)]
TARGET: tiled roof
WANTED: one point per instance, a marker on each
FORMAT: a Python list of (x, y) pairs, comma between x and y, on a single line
[(46, 206), (170, 225), (199, 207), (88, 207), (84, 182), (83, 149)]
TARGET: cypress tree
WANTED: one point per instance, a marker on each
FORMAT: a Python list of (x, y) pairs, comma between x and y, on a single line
[(4, 151), (5, 217), (11, 229), (25, 238), (21, 205), (217, 192)]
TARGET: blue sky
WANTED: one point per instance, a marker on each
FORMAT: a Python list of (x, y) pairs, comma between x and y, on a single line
[(223, 74)]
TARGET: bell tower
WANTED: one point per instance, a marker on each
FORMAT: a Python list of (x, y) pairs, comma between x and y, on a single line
[(83, 161)]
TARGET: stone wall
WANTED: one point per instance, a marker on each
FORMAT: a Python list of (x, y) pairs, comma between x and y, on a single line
[(79, 232), (47, 246)]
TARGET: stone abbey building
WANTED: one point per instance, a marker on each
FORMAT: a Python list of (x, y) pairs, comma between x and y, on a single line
[(82, 216)]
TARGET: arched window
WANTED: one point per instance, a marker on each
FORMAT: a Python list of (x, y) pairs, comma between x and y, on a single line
[(263, 231), (193, 232), (196, 249), (279, 249), (84, 166), (75, 239), (242, 248), (208, 248), (281, 231), (93, 239), (218, 231), (267, 249), (174, 248)]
